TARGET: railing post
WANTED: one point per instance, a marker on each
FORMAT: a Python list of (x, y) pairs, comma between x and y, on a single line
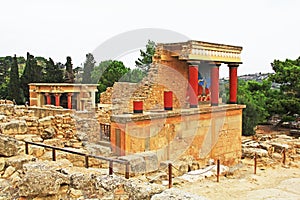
[(255, 162), (109, 131), (284, 156), (127, 171), (26, 148), (218, 170), (53, 155), (110, 172), (86, 161), (170, 174)]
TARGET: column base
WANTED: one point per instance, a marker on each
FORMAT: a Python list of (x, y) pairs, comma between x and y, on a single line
[(168, 108), (214, 104), (137, 111), (193, 106), (232, 102)]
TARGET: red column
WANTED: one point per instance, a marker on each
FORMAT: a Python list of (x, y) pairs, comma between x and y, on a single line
[(233, 81), (214, 77), (137, 106), (193, 86), (168, 100), (48, 98), (70, 100), (57, 99)]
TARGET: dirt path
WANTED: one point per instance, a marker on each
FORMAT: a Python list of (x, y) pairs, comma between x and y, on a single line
[(269, 183)]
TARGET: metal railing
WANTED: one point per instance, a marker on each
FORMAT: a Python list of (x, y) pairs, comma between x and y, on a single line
[(86, 156), (105, 132)]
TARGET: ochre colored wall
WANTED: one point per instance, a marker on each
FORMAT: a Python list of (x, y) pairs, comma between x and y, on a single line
[(206, 135)]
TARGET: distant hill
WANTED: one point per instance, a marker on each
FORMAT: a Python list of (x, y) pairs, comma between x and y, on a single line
[(259, 77)]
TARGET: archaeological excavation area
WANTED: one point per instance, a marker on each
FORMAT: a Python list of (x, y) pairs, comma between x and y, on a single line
[(65, 146)]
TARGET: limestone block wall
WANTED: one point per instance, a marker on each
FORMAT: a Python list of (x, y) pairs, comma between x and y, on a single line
[(202, 133), (164, 75)]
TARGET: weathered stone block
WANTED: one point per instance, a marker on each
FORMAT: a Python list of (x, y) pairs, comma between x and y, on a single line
[(2, 163), (14, 127), (151, 161), (54, 142), (137, 165), (19, 160), (8, 146)]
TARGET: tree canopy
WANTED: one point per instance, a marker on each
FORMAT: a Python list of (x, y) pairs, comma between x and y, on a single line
[(143, 63), (107, 73), (53, 72), (287, 74), (88, 67), (14, 82)]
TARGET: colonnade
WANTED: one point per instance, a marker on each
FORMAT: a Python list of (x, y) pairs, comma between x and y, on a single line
[(214, 86), (57, 99)]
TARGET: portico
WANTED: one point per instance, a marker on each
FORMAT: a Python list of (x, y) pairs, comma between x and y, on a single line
[(70, 96), (203, 60)]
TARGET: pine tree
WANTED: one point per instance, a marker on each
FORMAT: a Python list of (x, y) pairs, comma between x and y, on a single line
[(14, 82), (88, 68), (144, 62)]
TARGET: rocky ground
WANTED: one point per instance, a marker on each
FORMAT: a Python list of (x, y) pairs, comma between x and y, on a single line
[(277, 182), (35, 177)]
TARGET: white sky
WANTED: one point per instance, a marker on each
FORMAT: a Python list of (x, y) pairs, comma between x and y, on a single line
[(267, 29)]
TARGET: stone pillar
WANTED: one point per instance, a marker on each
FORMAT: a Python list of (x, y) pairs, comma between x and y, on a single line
[(70, 100), (48, 98), (233, 81), (214, 77), (193, 86), (57, 99)]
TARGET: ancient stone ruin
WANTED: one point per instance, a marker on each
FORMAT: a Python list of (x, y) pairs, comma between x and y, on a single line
[(63, 146)]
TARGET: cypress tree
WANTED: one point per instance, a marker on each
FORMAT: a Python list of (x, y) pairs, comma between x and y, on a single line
[(53, 72), (25, 78), (88, 68), (14, 82)]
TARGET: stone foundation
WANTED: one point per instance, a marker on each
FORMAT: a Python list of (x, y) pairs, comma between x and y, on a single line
[(204, 133)]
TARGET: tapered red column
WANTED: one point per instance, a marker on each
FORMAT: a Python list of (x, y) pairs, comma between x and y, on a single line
[(193, 86), (57, 99), (48, 98), (214, 85), (233, 81), (70, 100)]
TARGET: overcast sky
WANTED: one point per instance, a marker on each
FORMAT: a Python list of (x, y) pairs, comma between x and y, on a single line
[(266, 29)]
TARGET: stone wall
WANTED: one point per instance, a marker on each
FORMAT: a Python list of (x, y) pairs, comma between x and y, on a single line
[(55, 127), (163, 75), (205, 133)]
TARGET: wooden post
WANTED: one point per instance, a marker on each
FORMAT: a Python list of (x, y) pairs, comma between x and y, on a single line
[(26, 148), (218, 170), (86, 161), (255, 162), (110, 172), (53, 155), (170, 174), (127, 171)]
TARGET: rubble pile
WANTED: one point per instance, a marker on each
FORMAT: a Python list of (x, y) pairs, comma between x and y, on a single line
[(270, 148), (26, 177), (60, 130)]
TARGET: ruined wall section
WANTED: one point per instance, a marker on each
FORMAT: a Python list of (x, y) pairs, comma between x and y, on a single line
[(45, 124), (166, 73)]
